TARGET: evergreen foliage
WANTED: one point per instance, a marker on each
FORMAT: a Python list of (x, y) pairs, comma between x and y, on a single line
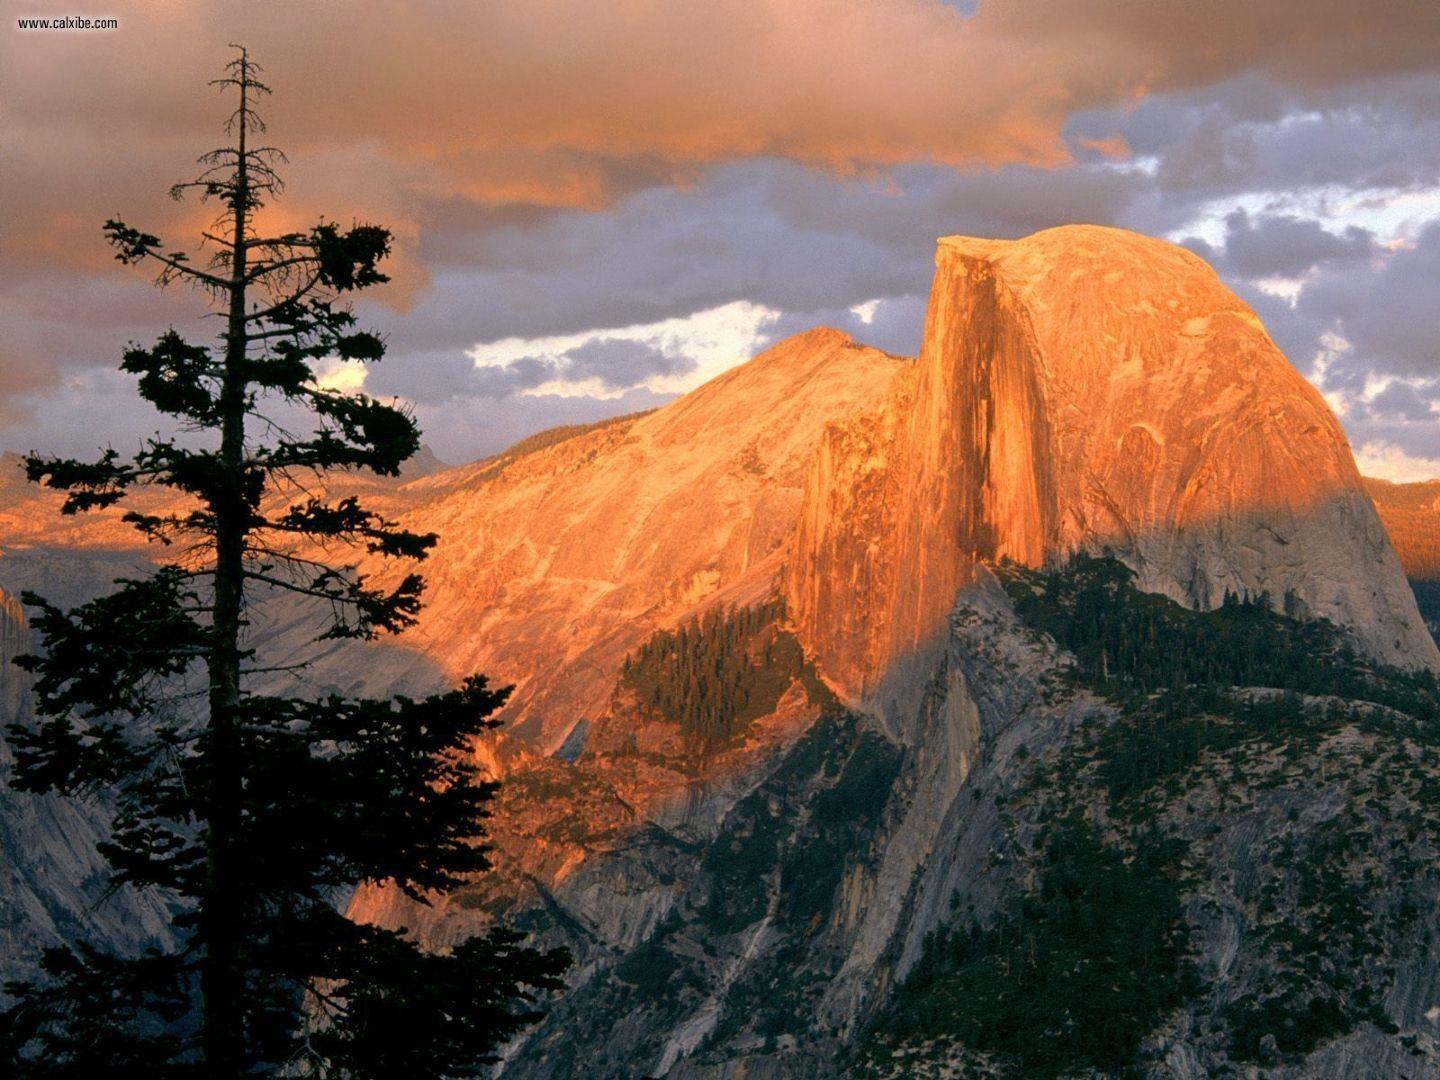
[(715, 675), (254, 812), (1089, 948), (1072, 974), (1126, 639), (1176, 670)]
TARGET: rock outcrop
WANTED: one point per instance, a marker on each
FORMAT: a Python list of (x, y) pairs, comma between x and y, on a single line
[(1411, 515), (1081, 390), (1088, 389)]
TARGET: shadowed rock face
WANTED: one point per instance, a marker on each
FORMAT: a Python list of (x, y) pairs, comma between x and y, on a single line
[(52, 880), (1088, 388)]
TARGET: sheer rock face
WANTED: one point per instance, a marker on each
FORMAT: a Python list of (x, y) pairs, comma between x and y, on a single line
[(1088, 388), (1084, 388)]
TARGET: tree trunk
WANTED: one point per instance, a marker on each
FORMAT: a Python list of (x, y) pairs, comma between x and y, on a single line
[(222, 979)]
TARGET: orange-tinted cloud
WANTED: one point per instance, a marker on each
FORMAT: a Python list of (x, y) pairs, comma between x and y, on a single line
[(517, 100), (388, 108)]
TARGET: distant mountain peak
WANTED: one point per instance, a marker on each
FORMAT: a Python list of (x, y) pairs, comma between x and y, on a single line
[(422, 463)]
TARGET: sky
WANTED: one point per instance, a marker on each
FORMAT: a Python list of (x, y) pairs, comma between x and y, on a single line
[(599, 206)]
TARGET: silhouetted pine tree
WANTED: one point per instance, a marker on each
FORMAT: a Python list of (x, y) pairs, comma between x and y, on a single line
[(255, 812)]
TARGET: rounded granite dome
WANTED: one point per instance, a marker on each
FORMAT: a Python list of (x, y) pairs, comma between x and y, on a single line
[(1088, 388)]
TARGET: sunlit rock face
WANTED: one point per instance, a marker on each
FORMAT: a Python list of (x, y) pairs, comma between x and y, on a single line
[(554, 566), (1088, 388), (1411, 515)]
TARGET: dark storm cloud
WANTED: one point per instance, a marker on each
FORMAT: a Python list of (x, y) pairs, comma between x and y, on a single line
[(1288, 246), (1390, 317), (1402, 401), (497, 382), (896, 326), (1383, 303), (426, 377), (1253, 133)]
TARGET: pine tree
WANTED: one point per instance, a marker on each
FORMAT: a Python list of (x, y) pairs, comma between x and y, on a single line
[(255, 813)]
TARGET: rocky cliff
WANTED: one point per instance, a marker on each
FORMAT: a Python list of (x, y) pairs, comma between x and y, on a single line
[(1411, 514), (1089, 389), (1081, 390)]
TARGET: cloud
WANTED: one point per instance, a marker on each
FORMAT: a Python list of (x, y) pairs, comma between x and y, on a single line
[(1404, 401), (666, 357), (600, 368), (1285, 246), (567, 104), (1390, 317), (829, 82), (769, 232), (1311, 43), (1111, 146), (551, 169), (1389, 462), (620, 365), (1255, 136), (343, 376), (57, 326)]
